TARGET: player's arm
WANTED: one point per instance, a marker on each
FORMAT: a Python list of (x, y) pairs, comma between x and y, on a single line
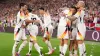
[(40, 22), (27, 21), (31, 21), (72, 18)]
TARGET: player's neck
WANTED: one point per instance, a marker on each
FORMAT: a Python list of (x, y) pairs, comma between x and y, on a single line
[(45, 13), (21, 11), (26, 14)]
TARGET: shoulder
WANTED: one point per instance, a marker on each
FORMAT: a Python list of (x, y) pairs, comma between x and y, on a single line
[(83, 11)]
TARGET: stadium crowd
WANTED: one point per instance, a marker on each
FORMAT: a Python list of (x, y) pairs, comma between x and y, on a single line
[(9, 9)]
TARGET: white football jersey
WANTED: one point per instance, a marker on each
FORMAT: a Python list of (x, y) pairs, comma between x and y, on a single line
[(33, 17), (20, 20), (64, 21), (80, 15), (46, 20)]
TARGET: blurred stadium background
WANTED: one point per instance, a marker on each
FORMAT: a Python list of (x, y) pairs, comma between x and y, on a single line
[(9, 9)]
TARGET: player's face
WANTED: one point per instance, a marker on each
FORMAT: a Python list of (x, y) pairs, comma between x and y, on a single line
[(26, 12), (73, 10), (25, 7), (41, 11)]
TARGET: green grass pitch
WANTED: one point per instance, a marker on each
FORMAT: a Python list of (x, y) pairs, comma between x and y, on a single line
[(6, 44)]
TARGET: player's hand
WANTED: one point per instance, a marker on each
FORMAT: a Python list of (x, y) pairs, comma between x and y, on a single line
[(37, 21), (68, 16)]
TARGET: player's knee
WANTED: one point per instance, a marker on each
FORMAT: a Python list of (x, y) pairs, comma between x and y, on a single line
[(80, 41), (16, 44), (66, 41), (31, 41), (61, 44), (34, 41), (44, 39), (71, 43)]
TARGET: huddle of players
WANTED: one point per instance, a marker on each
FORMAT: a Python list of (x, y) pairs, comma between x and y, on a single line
[(27, 20), (71, 26)]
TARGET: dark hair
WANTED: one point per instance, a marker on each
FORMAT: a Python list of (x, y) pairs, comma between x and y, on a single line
[(74, 8), (30, 10), (21, 4), (41, 8)]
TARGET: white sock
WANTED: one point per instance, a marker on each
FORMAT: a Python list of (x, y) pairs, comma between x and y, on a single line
[(84, 48), (75, 52), (22, 46), (70, 52), (30, 47), (37, 47), (65, 48), (81, 50), (49, 45), (14, 48), (60, 49)]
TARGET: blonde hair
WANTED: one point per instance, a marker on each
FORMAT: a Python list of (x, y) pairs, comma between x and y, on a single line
[(82, 2)]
